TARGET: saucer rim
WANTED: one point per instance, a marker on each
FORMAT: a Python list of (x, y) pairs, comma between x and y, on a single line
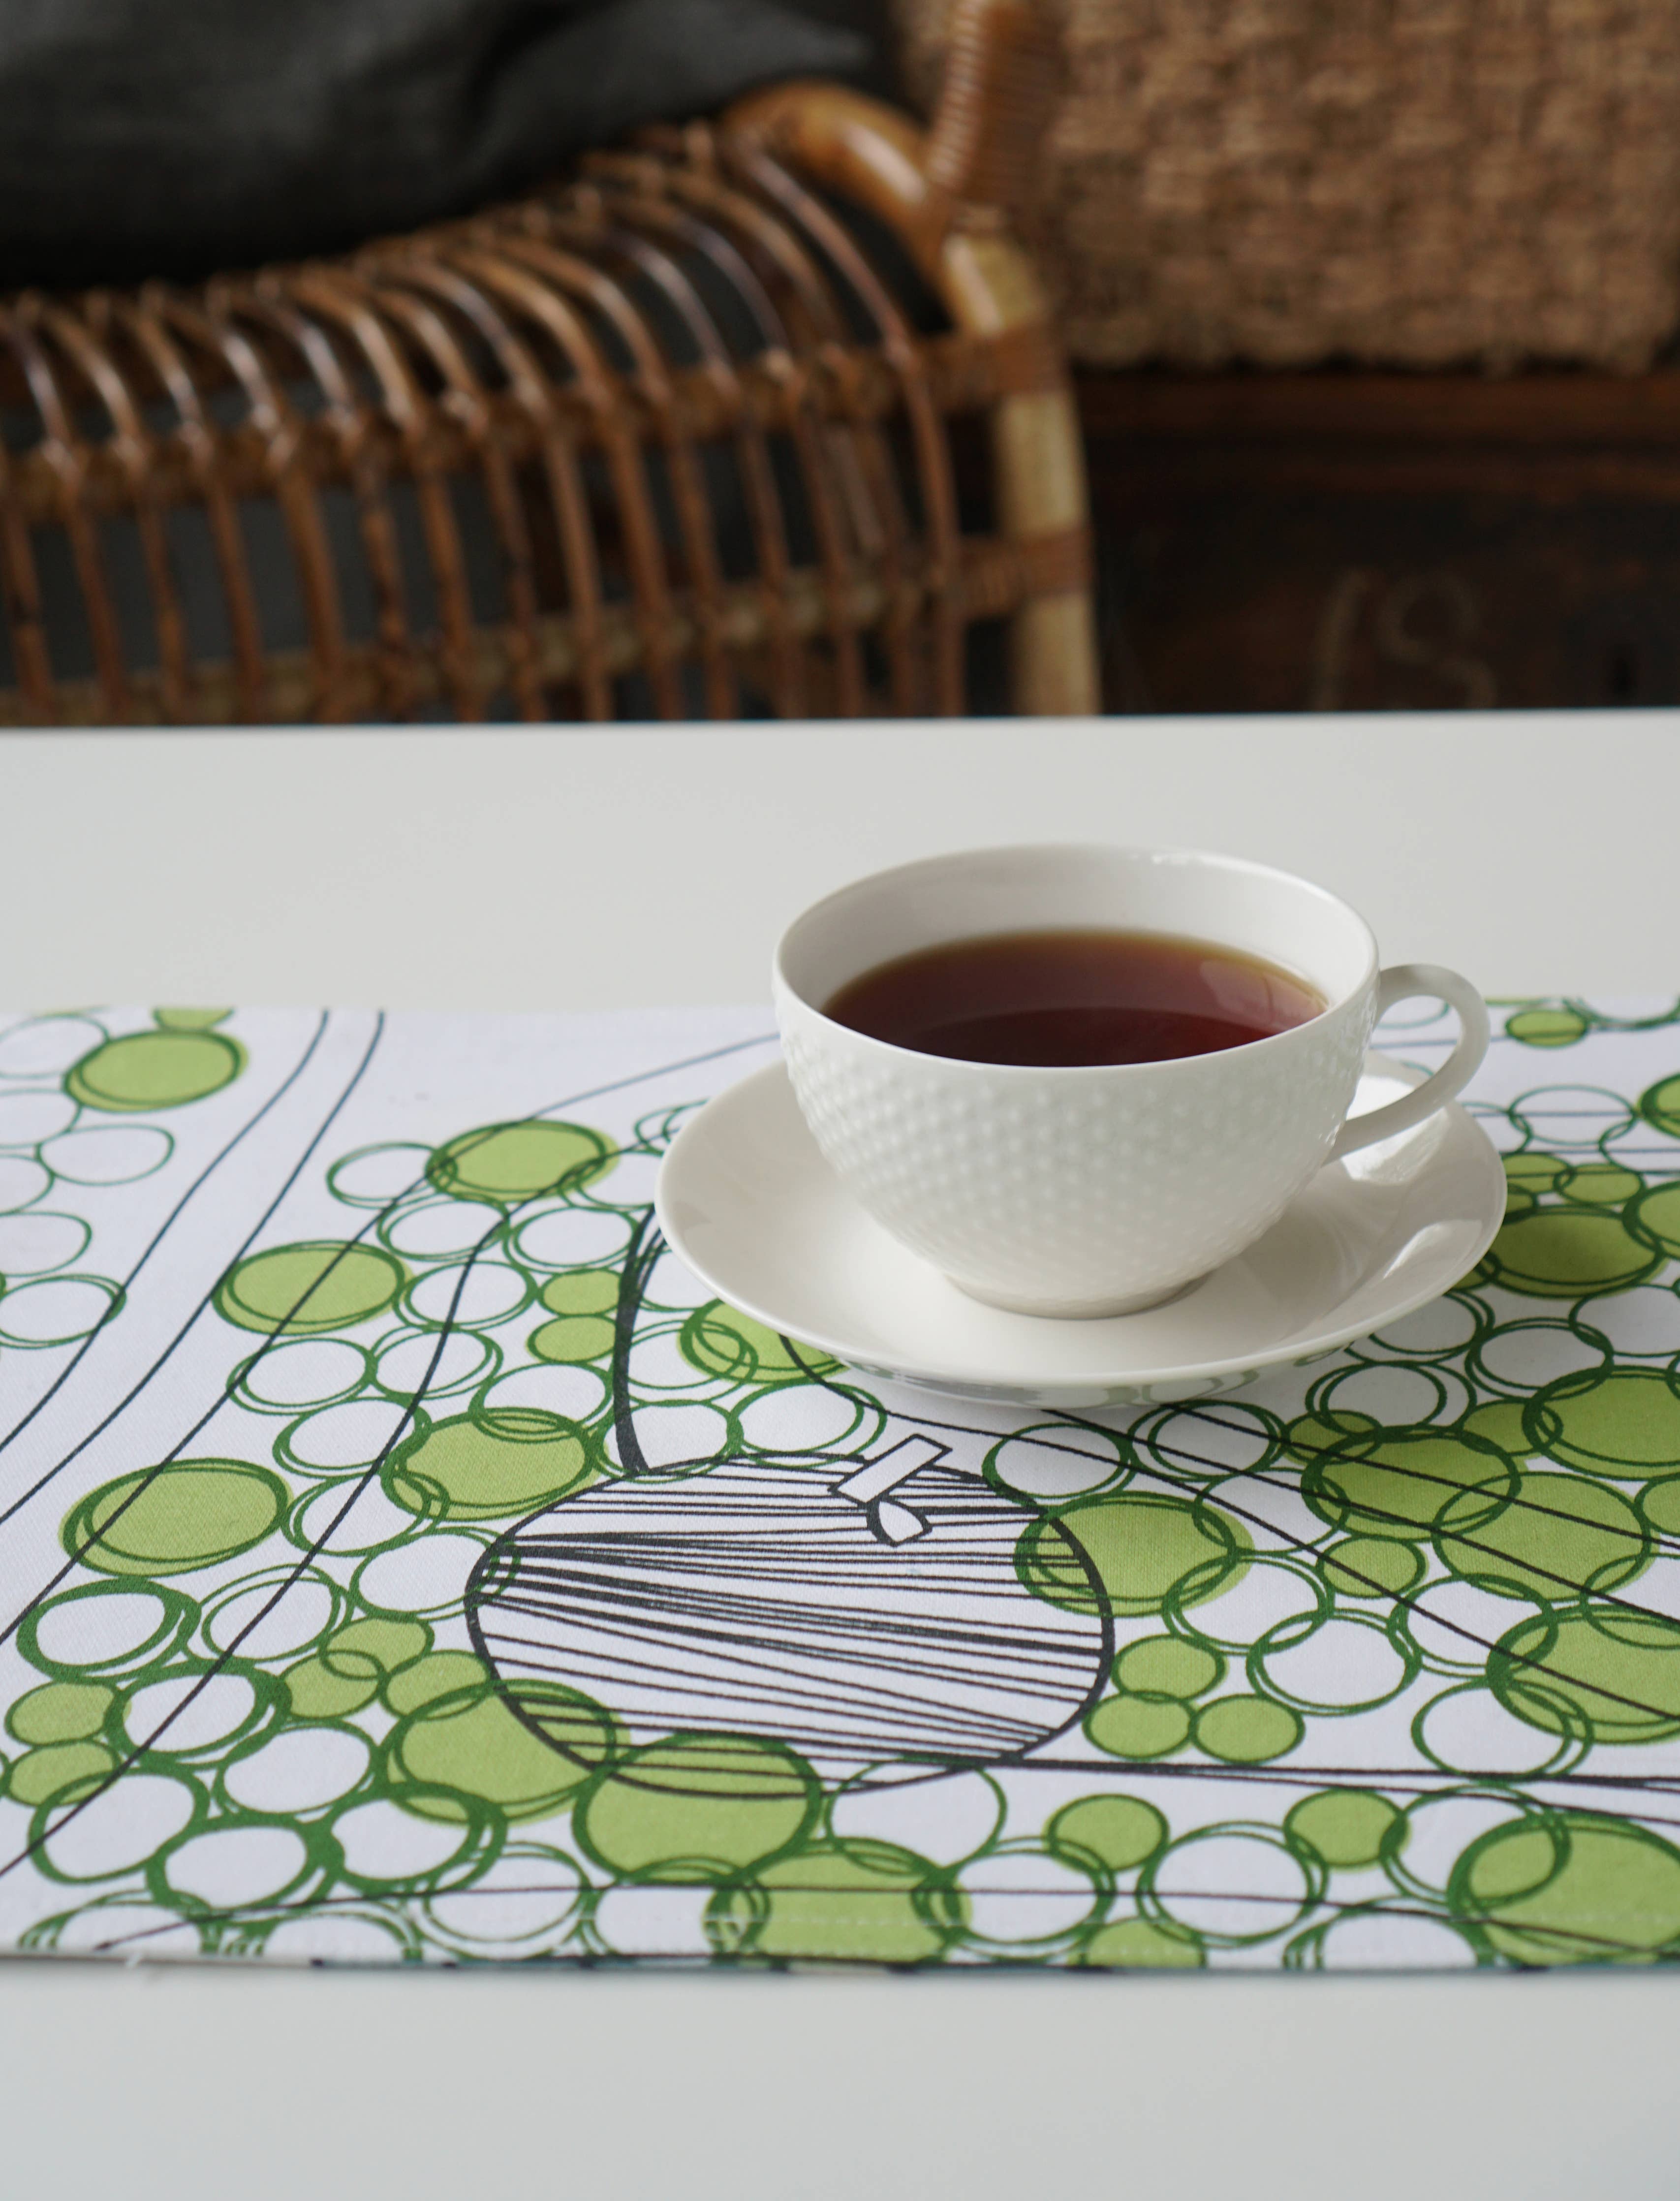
[(1296, 1353)]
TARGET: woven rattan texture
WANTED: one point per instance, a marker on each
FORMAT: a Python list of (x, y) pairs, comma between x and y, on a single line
[(667, 441), (1416, 182)]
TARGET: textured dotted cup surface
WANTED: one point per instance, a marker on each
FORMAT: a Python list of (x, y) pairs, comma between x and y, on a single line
[(1088, 1190)]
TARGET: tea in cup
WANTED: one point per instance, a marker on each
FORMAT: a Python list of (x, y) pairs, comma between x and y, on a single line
[(1076, 1079)]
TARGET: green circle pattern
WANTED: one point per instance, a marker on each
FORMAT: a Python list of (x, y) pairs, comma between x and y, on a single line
[(1540, 1493)]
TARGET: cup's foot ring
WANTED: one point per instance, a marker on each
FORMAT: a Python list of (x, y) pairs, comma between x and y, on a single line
[(1077, 1310)]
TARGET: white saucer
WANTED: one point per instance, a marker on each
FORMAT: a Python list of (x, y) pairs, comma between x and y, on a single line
[(746, 1200)]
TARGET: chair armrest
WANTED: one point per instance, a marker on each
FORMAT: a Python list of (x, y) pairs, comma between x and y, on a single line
[(948, 194)]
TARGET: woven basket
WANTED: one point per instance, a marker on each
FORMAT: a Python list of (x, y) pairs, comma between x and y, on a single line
[(1415, 182)]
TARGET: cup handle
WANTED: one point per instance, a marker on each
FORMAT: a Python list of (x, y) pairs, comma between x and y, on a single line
[(1400, 984)]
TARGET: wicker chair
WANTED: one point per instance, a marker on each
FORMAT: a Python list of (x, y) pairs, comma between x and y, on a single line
[(692, 434)]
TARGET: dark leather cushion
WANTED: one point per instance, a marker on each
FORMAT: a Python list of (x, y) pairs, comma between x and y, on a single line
[(169, 137)]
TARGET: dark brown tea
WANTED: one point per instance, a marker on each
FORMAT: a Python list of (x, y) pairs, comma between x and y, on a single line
[(1062, 999)]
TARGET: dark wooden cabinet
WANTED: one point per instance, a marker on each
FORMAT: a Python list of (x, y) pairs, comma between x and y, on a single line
[(1360, 541)]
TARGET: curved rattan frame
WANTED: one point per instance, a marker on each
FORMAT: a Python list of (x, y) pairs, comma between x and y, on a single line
[(576, 378)]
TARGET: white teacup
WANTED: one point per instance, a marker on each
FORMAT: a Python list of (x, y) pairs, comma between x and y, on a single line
[(1102, 1189)]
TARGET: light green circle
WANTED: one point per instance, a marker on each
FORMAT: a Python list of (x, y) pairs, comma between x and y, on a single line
[(470, 1740), (58, 1772), (1599, 1185), (170, 1520), (1533, 1171), (1140, 1944), (512, 1163), (1138, 1726), (570, 1338), (1577, 1889), (484, 1465), (1610, 1675), (839, 1902), (696, 1807), (1245, 1730), (1619, 1422), (1143, 1551), (1371, 1566), (1655, 1218), (1167, 1666), (1660, 1107), (1568, 1253), (1559, 1537), (581, 1291), (1394, 1484), (380, 1644), (307, 1289), (346, 1672), (154, 1070), (1546, 1027), (1120, 1832), (718, 1340), (316, 1692), (1312, 1436), (1501, 1422), (60, 1711), (1344, 1827), (429, 1680)]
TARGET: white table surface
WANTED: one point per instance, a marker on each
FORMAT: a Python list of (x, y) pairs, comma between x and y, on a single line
[(560, 868)]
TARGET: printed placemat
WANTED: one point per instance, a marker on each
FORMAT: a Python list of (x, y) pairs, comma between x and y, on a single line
[(402, 1559)]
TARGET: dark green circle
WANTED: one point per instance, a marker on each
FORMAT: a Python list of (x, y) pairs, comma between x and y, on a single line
[(267, 1708), (177, 1616)]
